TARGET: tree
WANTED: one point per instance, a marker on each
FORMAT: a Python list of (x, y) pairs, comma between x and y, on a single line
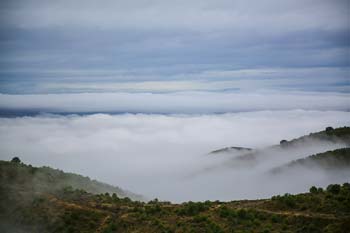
[(283, 142), (313, 189), (334, 188), (15, 160), (329, 129)]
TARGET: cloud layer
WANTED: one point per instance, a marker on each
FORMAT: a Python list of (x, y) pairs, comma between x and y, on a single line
[(206, 15), (86, 42), (157, 155), (177, 102)]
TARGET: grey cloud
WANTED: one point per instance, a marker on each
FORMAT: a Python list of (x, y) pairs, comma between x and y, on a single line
[(193, 15), (170, 40)]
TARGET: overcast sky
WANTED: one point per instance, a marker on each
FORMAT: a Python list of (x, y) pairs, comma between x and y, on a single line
[(212, 45), (273, 69)]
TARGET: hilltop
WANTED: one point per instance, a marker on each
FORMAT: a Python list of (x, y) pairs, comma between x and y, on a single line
[(337, 135)]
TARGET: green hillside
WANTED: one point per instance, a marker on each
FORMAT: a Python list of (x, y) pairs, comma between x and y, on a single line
[(330, 160), (50, 208), (46, 179), (329, 135), (337, 135)]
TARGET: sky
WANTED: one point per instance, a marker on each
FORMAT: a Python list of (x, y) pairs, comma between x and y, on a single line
[(167, 46), (137, 93)]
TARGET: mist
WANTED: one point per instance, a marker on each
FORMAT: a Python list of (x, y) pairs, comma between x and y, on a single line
[(164, 156)]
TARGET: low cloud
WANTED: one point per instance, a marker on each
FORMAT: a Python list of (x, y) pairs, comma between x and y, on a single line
[(177, 102), (155, 155)]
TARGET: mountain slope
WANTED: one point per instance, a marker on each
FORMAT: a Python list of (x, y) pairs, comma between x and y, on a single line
[(329, 135), (46, 179), (24, 209), (337, 135), (329, 139), (330, 160)]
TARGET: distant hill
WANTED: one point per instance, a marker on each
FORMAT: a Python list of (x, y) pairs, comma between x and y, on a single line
[(330, 160), (329, 135), (328, 139), (337, 135), (231, 149), (46, 179), (28, 204)]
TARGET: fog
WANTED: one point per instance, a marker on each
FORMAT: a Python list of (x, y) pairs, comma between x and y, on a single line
[(167, 156)]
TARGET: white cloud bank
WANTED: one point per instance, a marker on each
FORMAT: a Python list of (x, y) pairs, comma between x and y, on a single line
[(155, 155), (176, 102)]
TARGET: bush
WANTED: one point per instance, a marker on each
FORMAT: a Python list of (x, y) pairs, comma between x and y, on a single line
[(286, 200), (283, 142), (15, 160), (333, 188), (313, 189), (242, 214), (329, 129), (193, 208)]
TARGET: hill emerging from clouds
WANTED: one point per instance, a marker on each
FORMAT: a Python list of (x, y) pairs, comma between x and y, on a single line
[(335, 160)]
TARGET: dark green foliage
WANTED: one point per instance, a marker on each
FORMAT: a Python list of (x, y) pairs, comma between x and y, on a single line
[(329, 130), (46, 179), (334, 188), (313, 189), (339, 135), (286, 201), (335, 159), (15, 160), (24, 209), (193, 208), (335, 200)]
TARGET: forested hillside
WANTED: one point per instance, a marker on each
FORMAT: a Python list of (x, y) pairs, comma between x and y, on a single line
[(54, 208)]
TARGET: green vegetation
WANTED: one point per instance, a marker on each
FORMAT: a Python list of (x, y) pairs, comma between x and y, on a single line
[(330, 160), (329, 135), (46, 179), (338, 135), (35, 200)]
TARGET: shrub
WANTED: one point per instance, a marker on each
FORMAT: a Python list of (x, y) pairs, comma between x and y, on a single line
[(329, 129), (15, 160), (313, 189), (242, 214), (333, 188), (193, 208), (283, 142)]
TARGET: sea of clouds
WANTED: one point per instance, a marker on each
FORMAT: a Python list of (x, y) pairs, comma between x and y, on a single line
[(164, 156)]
